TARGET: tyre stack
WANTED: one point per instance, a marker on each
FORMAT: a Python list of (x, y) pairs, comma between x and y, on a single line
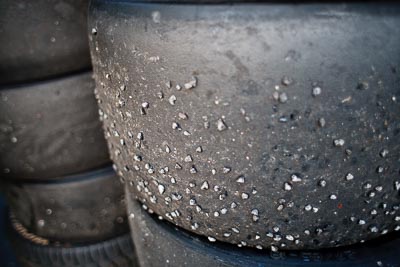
[(259, 133), (67, 205)]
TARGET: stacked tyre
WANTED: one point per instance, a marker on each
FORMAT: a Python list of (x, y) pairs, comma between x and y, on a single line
[(67, 205), (268, 127)]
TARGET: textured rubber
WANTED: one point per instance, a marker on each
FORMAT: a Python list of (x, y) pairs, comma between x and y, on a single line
[(116, 252), (83, 208), (159, 243), (42, 38), (50, 129), (269, 124)]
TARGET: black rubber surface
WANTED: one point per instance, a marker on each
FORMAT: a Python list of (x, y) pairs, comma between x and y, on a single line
[(42, 38), (265, 124), (50, 129), (116, 252), (83, 208), (159, 243)]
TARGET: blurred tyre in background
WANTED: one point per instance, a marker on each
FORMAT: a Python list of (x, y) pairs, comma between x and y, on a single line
[(77, 221), (42, 39), (50, 129), (66, 203), (116, 252), (88, 207)]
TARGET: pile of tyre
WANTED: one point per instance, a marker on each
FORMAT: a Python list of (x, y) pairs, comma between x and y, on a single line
[(242, 133), (67, 205), (253, 133)]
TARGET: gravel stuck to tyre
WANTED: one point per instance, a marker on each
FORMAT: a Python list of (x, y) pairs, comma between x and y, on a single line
[(50, 129), (42, 39), (88, 207), (259, 124)]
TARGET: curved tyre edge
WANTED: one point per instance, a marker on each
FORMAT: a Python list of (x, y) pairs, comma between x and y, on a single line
[(160, 243)]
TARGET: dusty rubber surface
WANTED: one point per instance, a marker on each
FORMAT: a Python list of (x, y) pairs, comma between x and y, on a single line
[(88, 207), (42, 38), (159, 243), (50, 129), (262, 125)]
